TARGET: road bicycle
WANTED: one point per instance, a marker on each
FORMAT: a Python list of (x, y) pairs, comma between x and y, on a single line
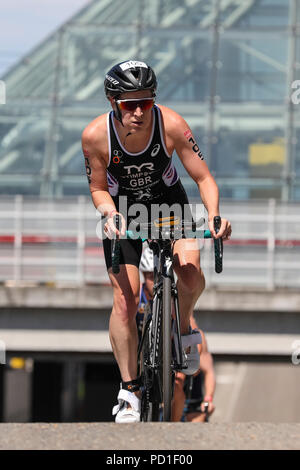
[(160, 352)]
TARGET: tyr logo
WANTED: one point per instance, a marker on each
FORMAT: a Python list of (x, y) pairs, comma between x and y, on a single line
[(149, 166)]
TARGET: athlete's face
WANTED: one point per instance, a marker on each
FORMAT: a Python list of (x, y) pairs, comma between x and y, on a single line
[(136, 116)]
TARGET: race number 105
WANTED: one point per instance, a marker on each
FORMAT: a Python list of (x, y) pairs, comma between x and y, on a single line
[(171, 459)]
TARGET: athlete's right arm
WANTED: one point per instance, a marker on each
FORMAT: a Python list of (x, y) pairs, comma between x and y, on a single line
[(93, 146), (95, 151)]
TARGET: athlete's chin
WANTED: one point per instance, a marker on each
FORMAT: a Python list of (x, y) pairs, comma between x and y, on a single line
[(136, 127)]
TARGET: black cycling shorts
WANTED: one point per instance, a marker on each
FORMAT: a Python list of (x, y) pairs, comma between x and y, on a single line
[(130, 252)]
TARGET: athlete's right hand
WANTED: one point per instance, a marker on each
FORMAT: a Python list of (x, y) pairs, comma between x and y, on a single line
[(110, 229)]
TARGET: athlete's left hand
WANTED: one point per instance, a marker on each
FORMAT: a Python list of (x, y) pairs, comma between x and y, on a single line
[(224, 231)]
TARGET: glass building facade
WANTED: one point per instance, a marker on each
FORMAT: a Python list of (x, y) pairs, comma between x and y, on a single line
[(230, 67)]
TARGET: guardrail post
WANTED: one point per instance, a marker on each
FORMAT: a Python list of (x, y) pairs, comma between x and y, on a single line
[(18, 214), (271, 244)]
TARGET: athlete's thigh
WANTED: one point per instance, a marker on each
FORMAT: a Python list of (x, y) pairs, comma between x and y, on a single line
[(126, 284)]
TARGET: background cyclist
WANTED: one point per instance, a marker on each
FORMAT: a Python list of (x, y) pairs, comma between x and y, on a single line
[(193, 395)]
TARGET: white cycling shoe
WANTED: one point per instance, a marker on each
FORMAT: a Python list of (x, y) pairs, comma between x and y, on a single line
[(128, 409), (192, 357)]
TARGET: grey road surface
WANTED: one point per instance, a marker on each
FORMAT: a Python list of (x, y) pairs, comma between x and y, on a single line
[(149, 436)]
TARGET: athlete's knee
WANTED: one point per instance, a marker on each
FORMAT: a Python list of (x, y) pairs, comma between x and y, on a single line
[(191, 278)]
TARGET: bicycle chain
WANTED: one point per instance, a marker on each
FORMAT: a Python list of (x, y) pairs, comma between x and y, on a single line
[(147, 398)]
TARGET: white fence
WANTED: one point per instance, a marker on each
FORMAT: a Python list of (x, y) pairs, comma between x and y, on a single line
[(55, 242)]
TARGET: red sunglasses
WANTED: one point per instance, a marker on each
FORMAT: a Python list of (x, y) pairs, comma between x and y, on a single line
[(131, 104)]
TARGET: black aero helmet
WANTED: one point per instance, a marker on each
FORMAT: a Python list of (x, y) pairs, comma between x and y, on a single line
[(130, 75)]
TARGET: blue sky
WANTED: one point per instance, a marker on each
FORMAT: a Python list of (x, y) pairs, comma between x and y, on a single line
[(24, 23)]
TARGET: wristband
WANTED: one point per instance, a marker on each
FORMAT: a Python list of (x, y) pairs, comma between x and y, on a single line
[(110, 214), (208, 398)]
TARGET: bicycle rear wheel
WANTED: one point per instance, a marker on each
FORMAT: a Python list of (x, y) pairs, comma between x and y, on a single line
[(167, 350)]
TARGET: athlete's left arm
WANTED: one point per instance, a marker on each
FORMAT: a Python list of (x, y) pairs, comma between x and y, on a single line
[(192, 159)]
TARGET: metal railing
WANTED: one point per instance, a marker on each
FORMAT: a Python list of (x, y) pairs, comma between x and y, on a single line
[(55, 241)]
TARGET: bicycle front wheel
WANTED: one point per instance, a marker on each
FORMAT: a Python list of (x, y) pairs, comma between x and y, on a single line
[(150, 377), (166, 349)]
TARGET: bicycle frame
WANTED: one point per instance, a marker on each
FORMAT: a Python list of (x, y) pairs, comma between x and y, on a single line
[(163, 268), (163, 300)]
